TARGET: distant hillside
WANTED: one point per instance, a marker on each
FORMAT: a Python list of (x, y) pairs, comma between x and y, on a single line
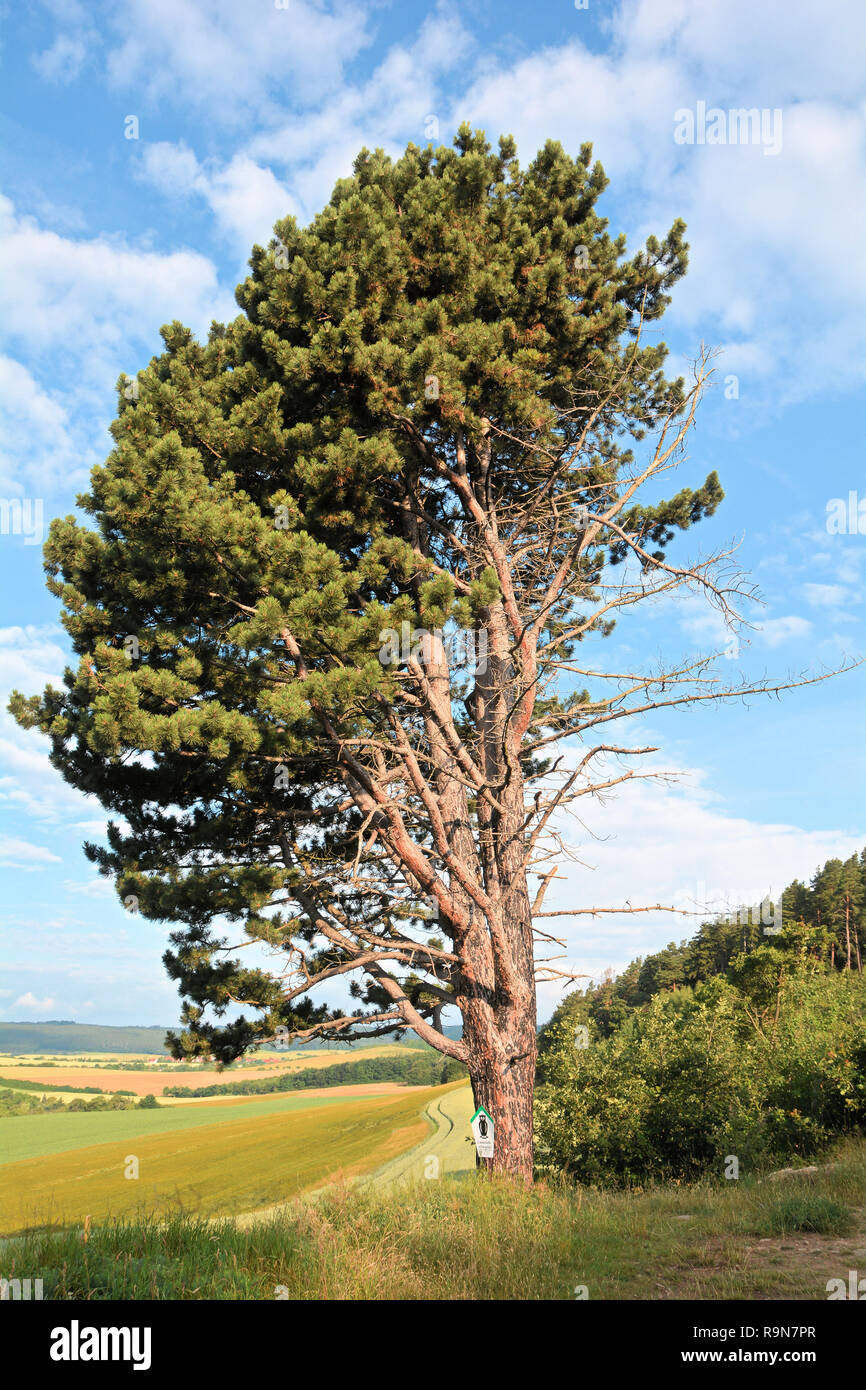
[(62, 1035)]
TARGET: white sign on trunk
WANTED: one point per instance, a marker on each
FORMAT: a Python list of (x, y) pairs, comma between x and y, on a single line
[(482, 1130)]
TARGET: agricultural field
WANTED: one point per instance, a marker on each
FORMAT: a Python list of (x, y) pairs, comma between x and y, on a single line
[(114, 1074), (209, 1159)]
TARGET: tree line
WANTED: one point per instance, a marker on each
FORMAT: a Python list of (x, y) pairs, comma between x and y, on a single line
[(428, 1069), (827, 914)]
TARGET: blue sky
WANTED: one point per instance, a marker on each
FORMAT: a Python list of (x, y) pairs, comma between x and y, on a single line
[(246, 112)]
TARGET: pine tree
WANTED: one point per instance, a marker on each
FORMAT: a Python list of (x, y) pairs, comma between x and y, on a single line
[(434, 419), (829, 894), (853, 897)]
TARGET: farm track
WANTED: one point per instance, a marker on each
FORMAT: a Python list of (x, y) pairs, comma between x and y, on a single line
[(450, 1113)]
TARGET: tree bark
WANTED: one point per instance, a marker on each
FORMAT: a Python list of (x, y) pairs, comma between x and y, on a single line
[(848, 931), (497, 974), (506, 1091)]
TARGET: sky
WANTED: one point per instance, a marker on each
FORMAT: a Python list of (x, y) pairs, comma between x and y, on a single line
[(148, 145)]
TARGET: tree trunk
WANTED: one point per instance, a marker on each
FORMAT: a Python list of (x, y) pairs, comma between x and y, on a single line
[(502, 1043), (506, 1090), (848, 931), (497, 974)]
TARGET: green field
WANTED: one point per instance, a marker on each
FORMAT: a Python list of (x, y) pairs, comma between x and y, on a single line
[(34, 1136), (246, 1157)]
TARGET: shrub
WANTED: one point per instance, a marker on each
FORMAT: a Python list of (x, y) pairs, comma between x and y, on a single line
[(765, 1065)]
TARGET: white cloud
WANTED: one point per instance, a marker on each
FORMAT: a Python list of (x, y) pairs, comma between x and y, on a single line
[(29, 1001), (744, 44), (224, 59), (245, 198), (766, 275), (775, 631), (63, 61), (319, 145), (93, 888), (230, 59), (97, 828), (31, 657), (21, 854), (674, 846), (86, 298), (827, 595), (81, 311), (37, 443)]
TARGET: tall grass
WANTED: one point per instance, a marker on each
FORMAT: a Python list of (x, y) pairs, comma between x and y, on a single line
[(479, 1239)]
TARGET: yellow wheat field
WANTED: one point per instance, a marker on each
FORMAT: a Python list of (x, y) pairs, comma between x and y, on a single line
[(222, 1169)]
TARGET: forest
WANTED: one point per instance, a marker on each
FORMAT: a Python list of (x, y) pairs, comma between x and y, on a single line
[(740, 1048)]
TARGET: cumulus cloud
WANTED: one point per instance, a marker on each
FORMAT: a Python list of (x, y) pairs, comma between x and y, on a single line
[(29, 1001), (828, 595), (677, 846), (63, 61), (775, 631), (764, 271), (403, 99), (80, 311), (245, 198), (227, 59), (740, 44), (38, 444), (748, 214), (92, 297), (32, 657), (93, 888)]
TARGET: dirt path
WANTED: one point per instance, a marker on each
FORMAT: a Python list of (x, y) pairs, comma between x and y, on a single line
[(450, 1113)]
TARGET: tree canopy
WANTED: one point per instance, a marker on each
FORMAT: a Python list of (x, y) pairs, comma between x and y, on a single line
[(435, 416)]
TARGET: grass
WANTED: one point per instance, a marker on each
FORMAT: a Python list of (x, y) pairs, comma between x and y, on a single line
[(241, 1160), (806, 1212), (477, 1239)]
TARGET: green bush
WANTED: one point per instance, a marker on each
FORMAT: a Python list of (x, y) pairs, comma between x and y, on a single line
[(765, 1065)]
